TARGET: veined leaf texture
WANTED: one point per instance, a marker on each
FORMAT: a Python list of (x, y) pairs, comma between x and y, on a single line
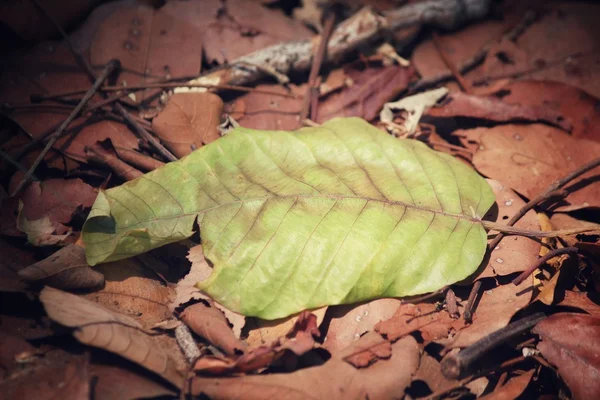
[(334, 214)]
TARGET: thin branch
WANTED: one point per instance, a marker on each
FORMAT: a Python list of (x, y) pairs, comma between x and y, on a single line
[(457, 365), (551, 254), (470, 307), (545, 195), (507, 229), (108, 69)]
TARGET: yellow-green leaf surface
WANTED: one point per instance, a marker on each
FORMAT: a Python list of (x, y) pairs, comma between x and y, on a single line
[(296, 220)]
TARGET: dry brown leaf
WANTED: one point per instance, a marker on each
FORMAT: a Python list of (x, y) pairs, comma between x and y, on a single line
[(100, 327), (211, 324), (574, 103), (189, 121), (58, 380), (268, 112), (133, 289), (586, 301), (371, 88), (491, 108), (65, 269), (185, 290), (529, 158), (372, 348), (118, 381), (570, 342), (336, 379), (41, 232), (494, 311), (350, 322), (432, 323), (512, 389), (13, 349), (151, 45), (243, 27), (104, 153), (560, 46), (513, 253), (459, 46), (430, 372)]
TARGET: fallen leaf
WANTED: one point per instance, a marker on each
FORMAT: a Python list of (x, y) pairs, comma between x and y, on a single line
[(371, 349), (349, 322), (548, 154), (494, 310), (494, 109), (189, 121), (13, 347), (100, 327), (104, 153), (559, 46), (151, 45), (268, 112), (170, 195), (431, 322), (513, 389), (513, 253), (570, 342), (116, 381), (574, 103), (430, 372), (65, 269), (242, 27), (40, 232), (69, 381), (210, 323), (336, 379), (186, 289), (415, 106), (459, 46), (370, 89), (586, 301)]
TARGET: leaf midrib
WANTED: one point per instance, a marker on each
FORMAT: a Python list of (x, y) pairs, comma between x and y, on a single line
[(307, 196)]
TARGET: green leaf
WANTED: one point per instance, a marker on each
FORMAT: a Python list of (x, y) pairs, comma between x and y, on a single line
[(336, 214)]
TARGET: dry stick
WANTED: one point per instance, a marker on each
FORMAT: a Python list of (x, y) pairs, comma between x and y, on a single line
[(108, 69), (462, 82), (469, 308), (547, 194), (83, 63), (542, 261), (166, 85), (457, 365), (311, 90), (186, 342)]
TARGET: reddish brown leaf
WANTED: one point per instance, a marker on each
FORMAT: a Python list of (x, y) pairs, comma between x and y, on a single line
[(350, 322), (372, 348), (512, 389), (491, 108), (586, 301), (115, 381), (371, 88), (65, 269), (570, 342), (189, 121), (210, 323), (506, 151), (13, 349), (151, 45), (105, 154)]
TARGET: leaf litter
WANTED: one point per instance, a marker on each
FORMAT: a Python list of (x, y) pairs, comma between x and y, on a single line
[(527, 119)]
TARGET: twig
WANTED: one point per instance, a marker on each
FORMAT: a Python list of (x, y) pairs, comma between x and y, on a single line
[(469, 308), (108, 69), (457, 365), (542, 261), (507, 229), (17, 164), (320, 55), (186, 343), (166, 85), (545, 195), (462, 82)]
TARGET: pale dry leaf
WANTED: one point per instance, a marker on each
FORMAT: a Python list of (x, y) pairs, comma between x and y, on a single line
[(65, 269), (349, 322), (100, 327), (414, 105), (189, 121), (512, 389), (40, 232)]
